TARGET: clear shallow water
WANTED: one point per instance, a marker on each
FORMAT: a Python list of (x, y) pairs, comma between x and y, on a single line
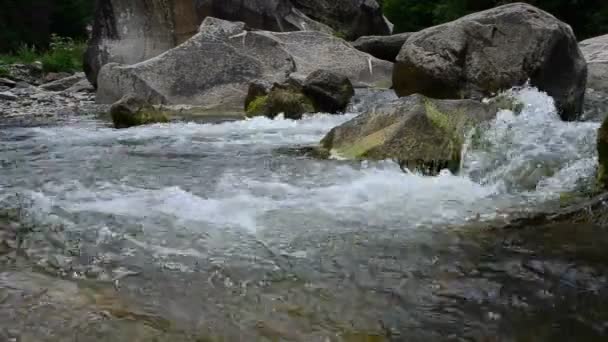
[(208, 204)]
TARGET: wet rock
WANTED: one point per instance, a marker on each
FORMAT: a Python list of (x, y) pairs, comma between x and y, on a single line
[(256, 90), (382, 47), (368, 99), (8, 96), (420, 133), (330, 92), (595, 51), (602, 147), (288, 101), (64, 83), (483, 53), (131, 111), (233, 58)]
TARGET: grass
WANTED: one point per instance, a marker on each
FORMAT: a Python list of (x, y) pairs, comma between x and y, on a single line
[(64, 55)]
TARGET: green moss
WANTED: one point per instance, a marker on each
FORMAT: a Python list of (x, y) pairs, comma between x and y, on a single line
[(340, 34), (289, 102), (4, 72), (360, 148), (257, 106), (64, 55), (453, 124)]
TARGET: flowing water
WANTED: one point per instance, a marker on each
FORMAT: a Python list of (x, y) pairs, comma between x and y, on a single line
[(222, 231)]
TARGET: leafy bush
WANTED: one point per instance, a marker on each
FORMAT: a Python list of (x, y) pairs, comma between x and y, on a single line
[(64, 55), (4, 71)]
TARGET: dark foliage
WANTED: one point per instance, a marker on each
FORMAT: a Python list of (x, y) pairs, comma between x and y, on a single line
[(31, 22), (588, 18)]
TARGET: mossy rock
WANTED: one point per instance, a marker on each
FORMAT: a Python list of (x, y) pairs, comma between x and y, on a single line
[(4, 72), (257, 107), (290, 102), (142, 117), (602, 147), (131, 111), (422, 134)]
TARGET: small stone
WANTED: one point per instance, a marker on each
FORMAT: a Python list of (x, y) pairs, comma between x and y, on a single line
[(93, 271), (7, 83), (60, 262), (54, 76), (8, 96)]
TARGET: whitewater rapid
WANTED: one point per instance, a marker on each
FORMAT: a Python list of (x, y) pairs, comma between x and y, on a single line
[(176, 187)]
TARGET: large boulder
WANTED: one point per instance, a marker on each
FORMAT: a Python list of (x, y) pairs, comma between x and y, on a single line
[(383, 47), (214, 68), (281, 99), (420, 133), (330, 92), (131, 31), (322, 91), (486, 52), (595, 51), (132, 111), (350, 18)]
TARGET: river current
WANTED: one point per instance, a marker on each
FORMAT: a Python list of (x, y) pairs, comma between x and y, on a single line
[(223, 225)]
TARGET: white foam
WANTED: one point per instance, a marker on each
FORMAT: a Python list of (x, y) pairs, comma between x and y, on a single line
[(529, 151), (259, 130), (530, 155)]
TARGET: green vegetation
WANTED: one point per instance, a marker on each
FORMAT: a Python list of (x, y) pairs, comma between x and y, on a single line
[(64, 54), (588, 18), (31, 22), (256, 107), (292, 103)]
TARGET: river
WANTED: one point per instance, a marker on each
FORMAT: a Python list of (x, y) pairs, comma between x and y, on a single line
[(224, 230)]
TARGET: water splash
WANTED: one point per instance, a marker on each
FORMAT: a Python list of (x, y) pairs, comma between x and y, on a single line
[(228, 176), (532, 152)]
